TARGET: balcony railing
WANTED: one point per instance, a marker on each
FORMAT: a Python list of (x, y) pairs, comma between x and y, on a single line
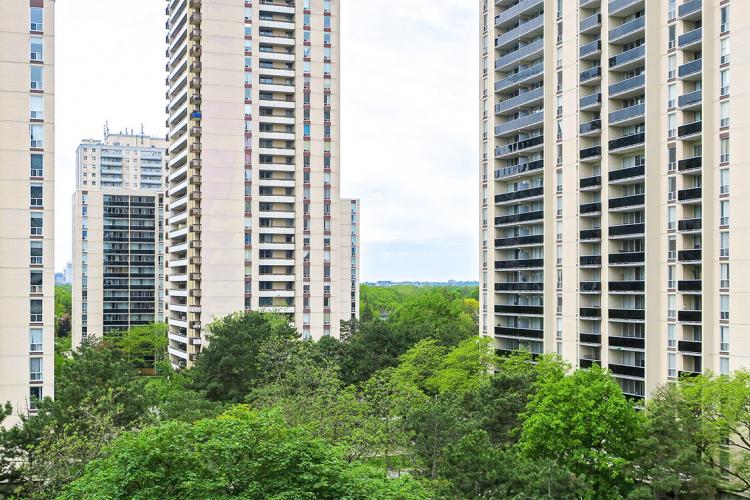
[(590, 260), (590, 234), (690, 129), (634, 314), (689, 255), (591, 152), (590, 338), (689, 286), (627, 141), (519, 286), (690, 68), (519, 77), (628, 370), (590, 100), (590, 312), (690, 316), (690, 7), (518, 264), (519, 309), (690, 346), (519, 146), (530, 51), (590, 23), (537, 239), (689, 194), (518, 101), (588, 363), (590, 74), (513, 35), (627, 56), (588, 182), (518, 169), (520, 194), (522, 217), (627, 173), (627, 113), (690, 38), (519, 332), (590, 48), (627, 28), (627, 286), (690, 99), (590, 208), (589, 127), (627, 229), (522, 7), (627, 201), (631, 83), (615, 6), (693, 163), (690, 224), (521, 123), (629, 342), (590, 286)]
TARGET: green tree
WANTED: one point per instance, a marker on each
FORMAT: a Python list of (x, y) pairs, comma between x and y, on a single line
[(241, 454), (588, 426), (63, 308), (229, 366), (144, 345), (369, 346)]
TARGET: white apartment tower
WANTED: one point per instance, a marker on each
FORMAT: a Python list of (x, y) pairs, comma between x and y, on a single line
[(27, 199), (254, 214), (118, 234), (606, 230)]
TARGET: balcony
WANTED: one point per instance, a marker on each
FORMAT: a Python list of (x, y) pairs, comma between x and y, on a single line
[(512, 127), (690, 164), (627, 201), (519, 286), (524, 7), (591, 153), (590, 286), (522, 99), (524, 76), (628, 314), (591, 75), (590, 312), (522, 217), (625, 116), (633, 85), (690, 39), (689, 316), (689, 255), (591, 24), (590, 338), (528, 52), (628, 31), (527, 333), (690, 346), (590, 182), (590, 234), (627, 229), (514, 170), (627, 370), (590, 208), (523, 30), (689, 130), (594, 127), (624, 7), (590, 50), (689, 225), (627, 173), (691, 70), (689, 286), (625, 60), (588, 363), (628, 141), (691, 194), (590, 261), (690, 10), (517, 241), (519, 309), (521, 194), (503, 265), (627, 286), (627, 342), (691, 100), (523, 145), (591, 101)]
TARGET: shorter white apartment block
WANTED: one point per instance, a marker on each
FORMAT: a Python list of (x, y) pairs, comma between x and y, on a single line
[(118, 235)]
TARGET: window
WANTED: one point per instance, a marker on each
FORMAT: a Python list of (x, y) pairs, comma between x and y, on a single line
[(672, 364), (35, 280), (35, 369), (723, 366), (672, 66), (724, 272), (37, 136), (724, 145), (36, 196), (37, 165), (724, 338), (672, 218), (671, 188), (37, 253), (36, 224), (671, 9), (724, 249), (671, 277), (35, 340), (36, 311), (724, 213), (671, 95), (724, 19), (724, 180), (724, 307), (724, 113), (724, 82), (36, 106), (671, 125), (37, 19), (672, 36), (724, 44), (36, 48), (672, 159), (671, 307), (36, 78), (672, 335), (35, 394)]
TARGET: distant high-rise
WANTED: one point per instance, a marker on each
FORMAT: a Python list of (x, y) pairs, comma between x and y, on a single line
[(27, 200), (605, 184), (253, 208), (118, 235)]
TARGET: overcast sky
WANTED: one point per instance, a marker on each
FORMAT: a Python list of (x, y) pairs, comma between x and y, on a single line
[(409, 116)]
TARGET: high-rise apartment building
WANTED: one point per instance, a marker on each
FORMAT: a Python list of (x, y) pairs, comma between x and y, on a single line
[(605, 184), (27, 172), (253, 206), (118, 235)]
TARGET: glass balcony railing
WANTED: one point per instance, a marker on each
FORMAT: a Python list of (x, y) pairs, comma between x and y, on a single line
[(519, 146), (690, 68), (590, 127), (690, 7), (518, 169), (627, 113), (520, 77), (502, 265), (589, 182), (690, 129), (590, 23), (621, 31), (690, 99), (627, 56), (690, 38), (590, 100), (530, 51), (520, 194), (627, 84), (590, 48), (627, 229), (519, 100), (521, 123), (627, 141), (693, 163), (523, 29), (615, 6), (627, 173), (627, 258), (591, 74), (591, 152)]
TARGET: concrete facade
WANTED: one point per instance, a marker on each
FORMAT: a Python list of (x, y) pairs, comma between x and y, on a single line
[(27, 199), (254, 210), (606, 236)]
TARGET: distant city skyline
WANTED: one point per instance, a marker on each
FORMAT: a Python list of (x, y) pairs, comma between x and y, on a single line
[(408, 142)]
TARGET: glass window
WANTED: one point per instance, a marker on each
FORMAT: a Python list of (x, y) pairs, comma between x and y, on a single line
[(37, 136), (724, 338), (724, 179), (35, 369), (37, 165), (724, 145), (36, 77), (37, 224), (725, 19), (37, 19), (724, 301), (724, 78), (724, 113), (724, 237), (671, 125), (36, 195), (724, 271), (724, 50), (35, 280), (672, 363), (723, 366), (36, 48), (35, 394), (672, 335), (35, 340), (37, 253), (724, 215)]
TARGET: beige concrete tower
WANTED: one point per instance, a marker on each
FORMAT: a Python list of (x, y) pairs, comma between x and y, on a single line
[(27, 172), (253, 182), (606, 236), (118, 235)]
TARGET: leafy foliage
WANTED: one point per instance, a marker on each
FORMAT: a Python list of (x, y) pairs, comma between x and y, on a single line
[(63, 308)]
